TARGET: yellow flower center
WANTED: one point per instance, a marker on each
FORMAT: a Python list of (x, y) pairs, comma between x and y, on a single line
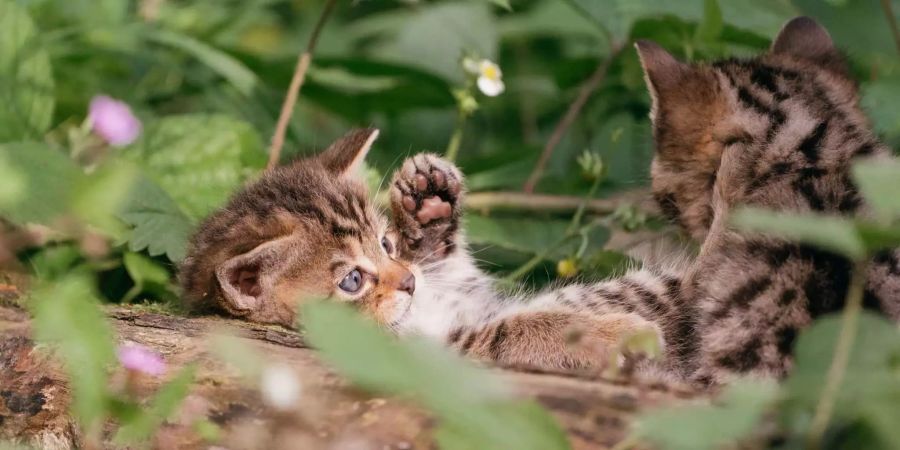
[(490, 72)]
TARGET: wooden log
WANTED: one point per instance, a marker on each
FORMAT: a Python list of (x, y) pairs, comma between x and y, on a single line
[(34, 397)]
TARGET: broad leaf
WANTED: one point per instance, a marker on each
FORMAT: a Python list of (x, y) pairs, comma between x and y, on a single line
[(198, 159), (879, 182), (45, 180), (162, 406), (830, 233), (709, 427), (26, 80), (159, 225)]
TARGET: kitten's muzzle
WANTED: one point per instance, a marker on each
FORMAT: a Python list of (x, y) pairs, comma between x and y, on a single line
[(408, 284)]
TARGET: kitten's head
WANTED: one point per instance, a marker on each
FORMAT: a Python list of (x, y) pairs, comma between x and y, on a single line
[(699, 110), (303, 231)]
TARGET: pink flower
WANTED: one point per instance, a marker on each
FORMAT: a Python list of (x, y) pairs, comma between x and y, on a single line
[(141, 359), (113, 121)]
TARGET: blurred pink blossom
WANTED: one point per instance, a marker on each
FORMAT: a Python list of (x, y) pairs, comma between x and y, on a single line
[(113, 121), (141, 359)]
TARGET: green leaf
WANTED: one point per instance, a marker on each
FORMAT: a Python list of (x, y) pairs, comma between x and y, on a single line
[(472, 404), (159, 225), (199, 160), (879, 182), (12, 184), (220, 62), (711, 26), (46, 176), (830, 233), (530, 236), (501, 3), (142, 269), (99, 195), (26, 79), (164, 404), (859, 26), (235, 351), (709, 426), (345, 81), (871, 384), (67, 316), (436, 35), (884, 115)]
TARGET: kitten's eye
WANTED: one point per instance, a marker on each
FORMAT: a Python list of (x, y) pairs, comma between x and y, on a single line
[(388, 246), (352, 283)]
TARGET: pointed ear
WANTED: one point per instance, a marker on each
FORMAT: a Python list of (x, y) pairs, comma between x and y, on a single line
[(249, 278), (345, 156), (662, 72), (803, 37)]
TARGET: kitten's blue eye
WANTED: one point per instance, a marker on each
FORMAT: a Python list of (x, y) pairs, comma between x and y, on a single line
[(388, 246), (352, 283)]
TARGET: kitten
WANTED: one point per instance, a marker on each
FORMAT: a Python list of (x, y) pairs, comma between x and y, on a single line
[(778, 131), (309, 231)]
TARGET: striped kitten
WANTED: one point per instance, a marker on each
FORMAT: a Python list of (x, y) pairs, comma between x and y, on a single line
[(777, 131), (308, 230)]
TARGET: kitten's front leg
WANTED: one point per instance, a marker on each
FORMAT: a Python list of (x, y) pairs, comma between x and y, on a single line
[(426, 200), (551, 340)]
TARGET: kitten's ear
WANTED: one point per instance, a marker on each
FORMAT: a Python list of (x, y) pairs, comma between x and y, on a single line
[(345, 156), (803, 37), (662, 72), (249, 278)]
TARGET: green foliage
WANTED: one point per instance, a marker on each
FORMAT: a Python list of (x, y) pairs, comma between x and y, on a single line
[(45, 174), (735, 415), (163, 404), (160, 227), (26, 80), (474, 407), (832, 233)]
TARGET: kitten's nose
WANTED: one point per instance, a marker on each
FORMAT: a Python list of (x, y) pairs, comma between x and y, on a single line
[(408, 284)]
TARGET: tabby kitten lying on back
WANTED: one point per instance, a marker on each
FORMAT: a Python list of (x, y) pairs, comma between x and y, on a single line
[(777, 131)]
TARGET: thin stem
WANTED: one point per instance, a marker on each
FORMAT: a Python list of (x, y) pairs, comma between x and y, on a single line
[(838, 368), (892, 21), (579, 213), (588, 88), (456, 138), (536, 259), (287, 108)]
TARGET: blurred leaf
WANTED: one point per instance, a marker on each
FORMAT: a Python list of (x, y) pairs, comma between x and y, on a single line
[(12, 183), (67, 316), (435, 37), (711, 26), (165, 403), (501, 3), (99, 195), (871, 384), (198, 159), (235, 351), (220, 62), (885, 114), (160, 226), (739, 410), (858, 26), (47, 177), (343, 80), (827, 232), (471, 403), (148, 275), (544, 19), (879, 183), (26, 79)]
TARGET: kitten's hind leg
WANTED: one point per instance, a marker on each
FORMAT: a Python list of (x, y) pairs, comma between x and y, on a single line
[(426, 200)]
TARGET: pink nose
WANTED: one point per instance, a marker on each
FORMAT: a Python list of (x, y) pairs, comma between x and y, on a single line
[(408, 284)]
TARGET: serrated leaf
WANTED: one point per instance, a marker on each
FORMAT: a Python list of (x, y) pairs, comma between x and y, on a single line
[(159, 225), (879, 183), (26, 79), (67, 316), (830, 233), (165, 402), (47, 177), (199, 160), (708, 427)]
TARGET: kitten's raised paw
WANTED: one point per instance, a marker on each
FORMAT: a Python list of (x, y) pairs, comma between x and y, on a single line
[(425, 199)]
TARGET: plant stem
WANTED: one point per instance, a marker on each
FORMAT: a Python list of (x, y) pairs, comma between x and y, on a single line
[(892, 21), (588, 88), (843, 347), (456, 138), (579, 213), (287, 108), (536, 259)]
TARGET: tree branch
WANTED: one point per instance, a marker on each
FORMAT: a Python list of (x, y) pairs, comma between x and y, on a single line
[(287, 108), (591, 85)]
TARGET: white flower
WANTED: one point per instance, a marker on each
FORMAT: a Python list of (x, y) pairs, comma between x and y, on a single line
[(279, 386), (490, 78)]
